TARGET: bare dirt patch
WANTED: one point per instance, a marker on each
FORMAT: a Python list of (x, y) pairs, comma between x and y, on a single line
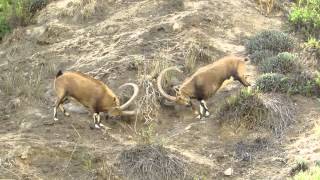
[(110, 41)]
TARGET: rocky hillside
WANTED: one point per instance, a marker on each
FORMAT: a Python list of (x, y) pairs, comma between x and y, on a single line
[(120, 41)]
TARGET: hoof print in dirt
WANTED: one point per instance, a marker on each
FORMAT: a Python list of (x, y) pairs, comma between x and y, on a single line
[(49, 123)]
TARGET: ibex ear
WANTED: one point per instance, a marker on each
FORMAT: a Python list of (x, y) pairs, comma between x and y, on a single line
[(114, 99)]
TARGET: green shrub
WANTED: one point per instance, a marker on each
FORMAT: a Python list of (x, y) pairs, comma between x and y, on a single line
[(15, 13), (317, 79), (304, 84), (283, 63), (305, 16), (36, 5), (4, 27), (254, 110), (313, 43), (312, 173), (274, 41), (245, 107), (273, 82), (299, 83), (313, 46), (260, 56)]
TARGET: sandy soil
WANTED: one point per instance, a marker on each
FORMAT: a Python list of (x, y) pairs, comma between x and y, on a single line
[(105, 39)]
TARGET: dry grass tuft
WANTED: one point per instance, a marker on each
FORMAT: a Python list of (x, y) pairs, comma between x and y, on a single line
[(245, 151), (148, 103), (254, 110), (196, 53), (266, 6), (28, 83), (145, 162), (82, 9)]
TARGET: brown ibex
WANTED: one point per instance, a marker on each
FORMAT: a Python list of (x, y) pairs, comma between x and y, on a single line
[(91, 93), (205, 82)]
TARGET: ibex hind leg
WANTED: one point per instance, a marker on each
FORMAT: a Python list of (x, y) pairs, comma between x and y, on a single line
[(57, 104), (62, 108), (61, 94)]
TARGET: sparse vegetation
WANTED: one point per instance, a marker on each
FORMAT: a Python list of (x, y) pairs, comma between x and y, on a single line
[(4, 27), (15, 13), (271, 40), (305, 17), (300, 83), (259, 56), (300, 166), (82, 9), (312, 173), (313, 46), (146, 162), (273, 82), (148, 103), (19, 83), (253, 110), (270, 51), (283, 63), (305, 84), (195, 54)]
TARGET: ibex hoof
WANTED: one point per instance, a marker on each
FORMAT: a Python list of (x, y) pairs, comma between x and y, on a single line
[(105, 127), (67, 114), (96, 126), (207, 114), (55, 119)]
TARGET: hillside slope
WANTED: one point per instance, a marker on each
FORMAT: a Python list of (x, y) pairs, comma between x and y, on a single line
[(110, 40)]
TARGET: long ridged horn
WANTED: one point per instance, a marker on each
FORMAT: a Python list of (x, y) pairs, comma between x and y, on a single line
[(159, 81), (133, 97)]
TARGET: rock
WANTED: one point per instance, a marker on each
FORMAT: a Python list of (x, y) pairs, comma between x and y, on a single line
[(70, 107), (177, 27), (24, 155), (228, 172), (14, 103)]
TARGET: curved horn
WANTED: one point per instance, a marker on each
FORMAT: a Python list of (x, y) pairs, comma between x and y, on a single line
[(129, 113), (133, 97), (159, 80)]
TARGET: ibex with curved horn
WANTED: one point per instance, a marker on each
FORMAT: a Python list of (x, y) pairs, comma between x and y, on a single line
[(91, 93), (205, 82)]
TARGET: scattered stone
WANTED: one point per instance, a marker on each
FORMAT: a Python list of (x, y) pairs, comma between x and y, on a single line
[(228, 172), (14, 103), (24, 155), (177, 27)]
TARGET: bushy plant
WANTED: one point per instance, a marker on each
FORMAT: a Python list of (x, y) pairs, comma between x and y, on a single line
[(273, 82), (245, 106), (271, 40), (313, 173), (305, 16), (299, 83), (15, 13), (305, 84), (317, 79), (313, 46), (283, 63), (4, 27), (260, 56), (254, 110)]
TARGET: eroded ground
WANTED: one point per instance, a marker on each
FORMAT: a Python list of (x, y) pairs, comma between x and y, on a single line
[(106, 40)]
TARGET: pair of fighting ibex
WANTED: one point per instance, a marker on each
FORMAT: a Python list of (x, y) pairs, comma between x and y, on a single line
[(97, 97)]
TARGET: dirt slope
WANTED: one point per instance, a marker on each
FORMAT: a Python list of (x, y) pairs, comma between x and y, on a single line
[(106, 39)]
